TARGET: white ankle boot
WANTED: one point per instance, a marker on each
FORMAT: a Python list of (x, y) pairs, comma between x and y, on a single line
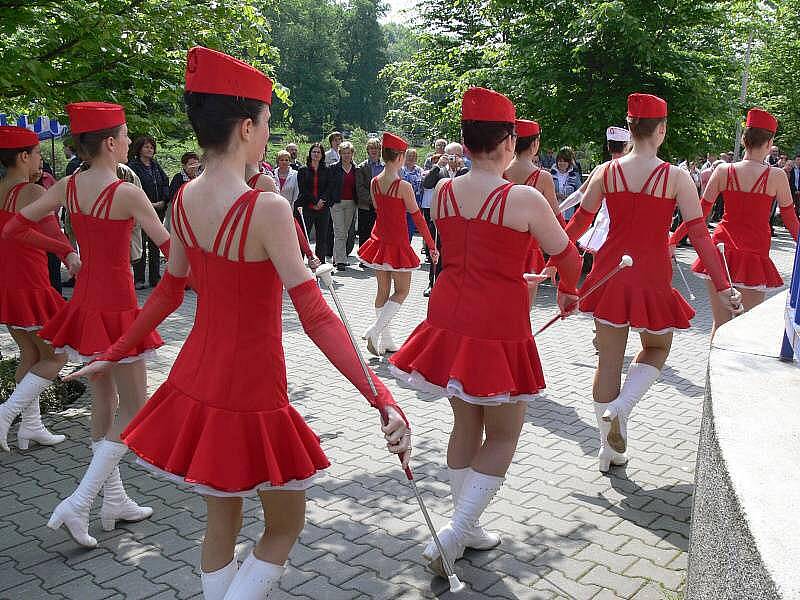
[(24, 394), (117, 506), (640, 377), (607, 456), (386, 342), (387, 313), (476, 493), (33, 430), (73, 512), (478, 538), (255, 580), (217, 583), (365, 335)]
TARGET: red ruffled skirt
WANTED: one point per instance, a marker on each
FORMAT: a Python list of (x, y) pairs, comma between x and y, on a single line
[(490, 371), (748, 269), (85, 332), (223, 449), (656, 310), (29, 308), (388, 257)]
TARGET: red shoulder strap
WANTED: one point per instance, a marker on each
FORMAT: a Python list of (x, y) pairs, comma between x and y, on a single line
[(10, 204), (533, 178), (496, 200), (240, 213), (446, 200), (102, 206), (659, 174), (732, 184), (180, 222), (392, 191), (616, 173), (253, 180), (760, 185), (72, 194)]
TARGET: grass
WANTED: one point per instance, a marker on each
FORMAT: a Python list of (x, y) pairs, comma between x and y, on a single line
[(55, 398)]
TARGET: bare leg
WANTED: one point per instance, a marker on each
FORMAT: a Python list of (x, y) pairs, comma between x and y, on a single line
[(131, 382), (28, 353), (104, 405), (721, 314), (503, 425), (467, 434), (611, 342), (284, 519), (223, 522), (655, 349), (49, 364), (384, 280), (402, 285)]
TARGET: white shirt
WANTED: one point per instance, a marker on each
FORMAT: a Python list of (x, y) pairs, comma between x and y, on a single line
[(289, 190), (331, 156)]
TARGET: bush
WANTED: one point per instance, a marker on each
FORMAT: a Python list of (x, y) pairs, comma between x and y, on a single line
[(55, 398)]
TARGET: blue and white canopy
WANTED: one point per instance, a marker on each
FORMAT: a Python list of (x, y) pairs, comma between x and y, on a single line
[(45, 127)]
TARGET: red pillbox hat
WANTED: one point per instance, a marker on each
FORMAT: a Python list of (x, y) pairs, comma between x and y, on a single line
[(94, 116), (394, 142), (480, 104), (646, 106), (212, 72), (757, 117), (527, 128), (12, 137)]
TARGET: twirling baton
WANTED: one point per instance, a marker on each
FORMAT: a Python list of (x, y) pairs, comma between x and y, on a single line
[(686, 283), (324, 273), (624, 263), (721, 248)]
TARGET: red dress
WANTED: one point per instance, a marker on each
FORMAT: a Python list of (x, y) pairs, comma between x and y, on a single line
[(388, 248), (27, 300), (476, 341), (640, 296), (222, 419), (745, 231), (103, 305)]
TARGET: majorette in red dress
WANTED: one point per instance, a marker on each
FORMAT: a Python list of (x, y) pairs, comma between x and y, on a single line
[(222, 419), (745, 231), (463, 348), (27, 300), (103, 305), (641, 296), (388, 248)]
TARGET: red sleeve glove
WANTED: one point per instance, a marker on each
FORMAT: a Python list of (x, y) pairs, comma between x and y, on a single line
[(579, 223), (707, 252), (25, 231), (568, 262), (327, 331), (680, 232), (166, 297), (790, 220), (50, 227), (561, 220), (422, 227), (165, 249), (301, 238)]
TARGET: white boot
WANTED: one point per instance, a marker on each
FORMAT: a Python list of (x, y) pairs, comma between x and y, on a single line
[(74, 510), (386, 342), (476, 493), (117, 506), (640, 377), (607, 456), (216, 583), (377, 316), (478, 538), (26, 392), (254, 580), (33, 430), (387, 313)]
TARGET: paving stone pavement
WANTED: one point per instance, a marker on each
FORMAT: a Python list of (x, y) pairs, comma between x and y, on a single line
[(568, 531)]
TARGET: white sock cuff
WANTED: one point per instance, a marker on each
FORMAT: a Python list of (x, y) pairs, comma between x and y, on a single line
[(33, 378), (262, 567), (644, 368), (231, 566), (481, 479)]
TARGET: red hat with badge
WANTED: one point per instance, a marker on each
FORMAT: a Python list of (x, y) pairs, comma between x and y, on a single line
[(757, 117), (94, 116), (212, 72), (395, 142), (480, 104), (527, 128), (12, 137), (646, 106)]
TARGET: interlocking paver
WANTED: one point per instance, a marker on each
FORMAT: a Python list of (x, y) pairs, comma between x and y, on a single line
[(568, 531)]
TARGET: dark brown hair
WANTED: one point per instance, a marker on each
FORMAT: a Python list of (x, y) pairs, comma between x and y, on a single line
[(523, 143), (389, 154), (8, 156), (755, 137), (90, 142), (138, 144), (213, 116), (482, 137), (643, 128)]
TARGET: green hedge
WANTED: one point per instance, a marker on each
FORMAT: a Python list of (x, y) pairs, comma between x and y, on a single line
[(55, 398)]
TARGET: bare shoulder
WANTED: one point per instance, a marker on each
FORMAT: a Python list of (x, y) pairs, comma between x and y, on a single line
[(406, 186), (271, 207), (527, 198), (128, 192)]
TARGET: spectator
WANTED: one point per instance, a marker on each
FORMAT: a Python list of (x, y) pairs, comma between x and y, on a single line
[(343, 210), (774, 156), (710, 160), (372, 167), (438, 149), (73, 160), (784, 158), (694, 172), (566, 177), (286, 177), (793, 171), (412, 173), (548, 160), (314, 184), (293, 162), (46, 180), (190, 168), (332, 155), (264, 166), (156, 185)]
